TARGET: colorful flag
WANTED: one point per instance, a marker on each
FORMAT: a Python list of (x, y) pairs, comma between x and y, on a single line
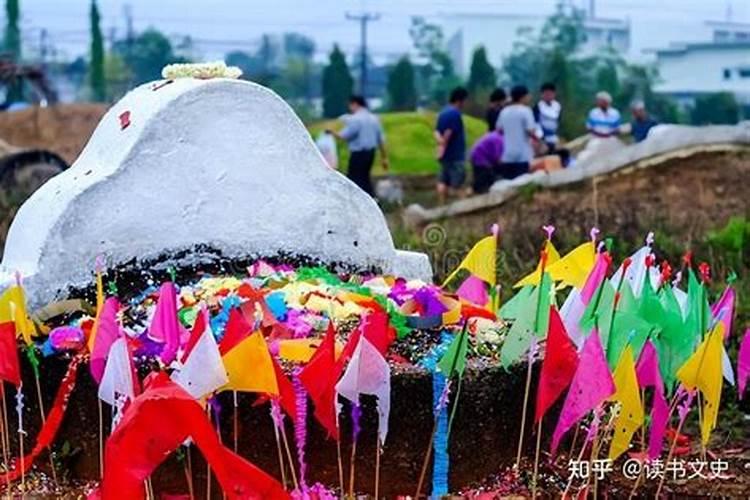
[(249, 367), (703, 371), (480, 261), (532, 320), (596, 277), (454, 359), (574, 268), (536, 276), (673, 344), (118, 377), (592, 384), (13, 309), (165, 325), (368, 373), (474, 290), (10, 368), (743, 363), (723, 309), (571, 313), (319, 377), (202, 371), (630, 417), (145, 437), (559, 365), (647, 371), (236, 330), (636, 273), (99, 307), (107, 332)]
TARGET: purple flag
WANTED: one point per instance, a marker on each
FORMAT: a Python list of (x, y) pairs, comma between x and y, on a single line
[(647, 371), (474, 290), (591, 385), (165, 326), (743, 363), (723, 309)]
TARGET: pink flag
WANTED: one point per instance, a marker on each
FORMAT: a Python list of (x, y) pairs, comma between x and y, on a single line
[(106, 333), (743, 363), (723, 309), (597, 275), (591, 385), (474, 290), (647, 371), (165, 326)]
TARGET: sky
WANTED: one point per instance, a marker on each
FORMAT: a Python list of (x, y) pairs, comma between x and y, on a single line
[(219, 26)]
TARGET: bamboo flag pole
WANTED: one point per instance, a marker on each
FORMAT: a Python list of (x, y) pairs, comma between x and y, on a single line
[(527, 389), (340, 464), (5, 441), (101, 439), (21, 433), (535, 478), (378, 451), (289, 457), (235, 423), (189, 472)]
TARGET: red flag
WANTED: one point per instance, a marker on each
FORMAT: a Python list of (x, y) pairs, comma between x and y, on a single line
[(198, 328), (559, 365), (287, 397), (376, 329), (319, 378), (10, 369), (144, 438), (235, 332)]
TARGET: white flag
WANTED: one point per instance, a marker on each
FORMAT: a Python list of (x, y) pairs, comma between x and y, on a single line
[(368, 373), (636, 273), (118, 374), (203, 371)]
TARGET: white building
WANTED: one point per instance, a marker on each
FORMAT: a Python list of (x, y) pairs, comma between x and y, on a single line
[(499, 32), (691, 69)]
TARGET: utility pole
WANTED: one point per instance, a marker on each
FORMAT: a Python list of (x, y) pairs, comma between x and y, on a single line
[(363, 19)]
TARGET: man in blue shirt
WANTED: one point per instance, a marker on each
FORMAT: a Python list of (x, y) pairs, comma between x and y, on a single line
[(451, 144), (642, 123)]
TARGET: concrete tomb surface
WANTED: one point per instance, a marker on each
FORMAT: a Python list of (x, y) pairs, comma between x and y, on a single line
[(178, 163)]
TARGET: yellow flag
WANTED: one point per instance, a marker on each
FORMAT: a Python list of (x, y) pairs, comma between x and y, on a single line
[(250, 368), (575, 266), (13, 310), (703, 371), (99, 306), (301, 350), (628, 395), (535, 277), (480, 261)]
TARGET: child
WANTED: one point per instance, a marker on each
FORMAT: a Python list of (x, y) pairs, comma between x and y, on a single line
[(485, 158)]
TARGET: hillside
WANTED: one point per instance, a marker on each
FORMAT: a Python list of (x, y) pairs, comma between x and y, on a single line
[(409, 136)]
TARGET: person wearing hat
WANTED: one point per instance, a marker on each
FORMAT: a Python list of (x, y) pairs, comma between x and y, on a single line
[(642, 121), (604, 120)]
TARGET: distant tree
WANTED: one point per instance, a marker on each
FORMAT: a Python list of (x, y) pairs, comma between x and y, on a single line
[(482, 74), (337, 84), (12, 40), (12, 45), (436, 75), (402, 93), (716, 108), (96, 75), (147, 54)]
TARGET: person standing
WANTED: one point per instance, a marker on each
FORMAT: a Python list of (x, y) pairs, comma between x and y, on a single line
[(642, 122), (517, 124), (497, 101), (363, 135), (451, 144), (603, 121), (547, 114)]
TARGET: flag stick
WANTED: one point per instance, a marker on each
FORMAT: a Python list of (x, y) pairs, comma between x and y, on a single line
[(235, 427), (22, 458), (570, 478), (455, 406), (542, 268), (5, 440), (536, 459), (573, 443), (340, 465), (351, 468), (377, 468), (189, 473), (44, 420), (101, 439), (281, 456), (670, 455), (426, 460), (289, 457), (643, 451), (208, 465)]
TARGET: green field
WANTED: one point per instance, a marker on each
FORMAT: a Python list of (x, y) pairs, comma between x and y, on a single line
[(411, 146)]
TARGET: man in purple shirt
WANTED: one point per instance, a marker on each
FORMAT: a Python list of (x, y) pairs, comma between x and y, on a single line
[(485, 158)]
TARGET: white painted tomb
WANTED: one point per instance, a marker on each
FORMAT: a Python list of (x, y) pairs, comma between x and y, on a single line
[(178, 163)]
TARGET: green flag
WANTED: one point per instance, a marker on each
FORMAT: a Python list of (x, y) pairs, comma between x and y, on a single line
[(454, 359), (532, 318), (698, 313), (516, 304), (673, 344)]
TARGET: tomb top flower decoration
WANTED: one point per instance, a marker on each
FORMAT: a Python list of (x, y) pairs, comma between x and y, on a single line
[(203, 71)]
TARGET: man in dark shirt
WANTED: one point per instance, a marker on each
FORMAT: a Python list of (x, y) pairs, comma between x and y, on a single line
[(497, 101), (642, 123), (451, 144)]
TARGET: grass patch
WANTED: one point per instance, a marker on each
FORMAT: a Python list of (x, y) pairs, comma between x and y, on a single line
[(409, 138)]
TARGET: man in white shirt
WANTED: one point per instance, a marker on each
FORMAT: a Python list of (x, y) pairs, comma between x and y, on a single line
[(604, 120), (547, 114)]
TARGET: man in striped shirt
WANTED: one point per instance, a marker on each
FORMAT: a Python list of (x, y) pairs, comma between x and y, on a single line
[(603, 120)]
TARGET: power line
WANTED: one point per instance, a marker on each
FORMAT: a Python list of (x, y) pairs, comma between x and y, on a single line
[(363, 19)]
